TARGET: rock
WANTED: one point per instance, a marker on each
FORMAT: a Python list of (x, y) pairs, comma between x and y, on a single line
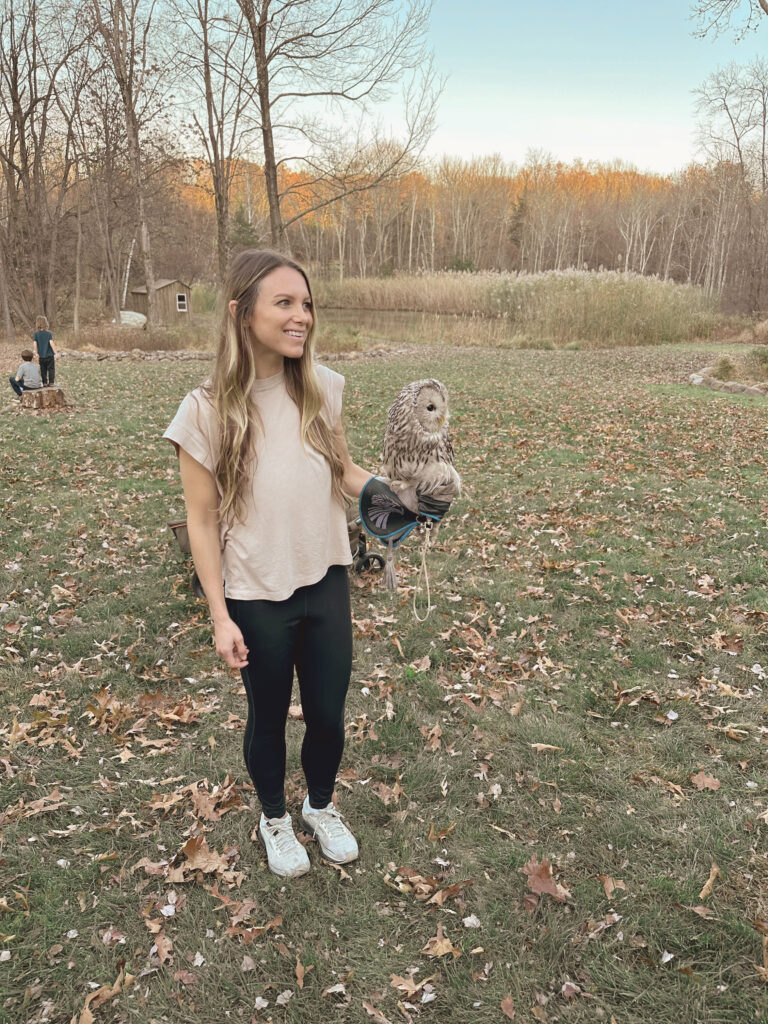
[(130, 319), (696, 378)]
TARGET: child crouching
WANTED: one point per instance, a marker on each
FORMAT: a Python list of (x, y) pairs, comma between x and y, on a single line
[(27, 376)]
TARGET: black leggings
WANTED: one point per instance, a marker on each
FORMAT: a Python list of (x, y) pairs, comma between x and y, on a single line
[(311, 630)]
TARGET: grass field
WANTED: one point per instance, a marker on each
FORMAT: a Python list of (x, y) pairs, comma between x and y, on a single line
[(559, 780)]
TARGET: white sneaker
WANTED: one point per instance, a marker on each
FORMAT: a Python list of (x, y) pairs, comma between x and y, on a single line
[(285, 854), (326, 825)]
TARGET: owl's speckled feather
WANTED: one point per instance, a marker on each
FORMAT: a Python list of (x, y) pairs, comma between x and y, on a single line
[(418, 454)]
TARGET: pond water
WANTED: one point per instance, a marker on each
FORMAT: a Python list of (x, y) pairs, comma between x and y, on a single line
[(374, 325), (390, 325)]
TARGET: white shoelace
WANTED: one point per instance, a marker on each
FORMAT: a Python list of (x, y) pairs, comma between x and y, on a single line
[(283, 837), (331, 822)]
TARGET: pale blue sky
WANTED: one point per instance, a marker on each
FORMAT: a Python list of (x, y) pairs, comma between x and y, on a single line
[(578, 78)]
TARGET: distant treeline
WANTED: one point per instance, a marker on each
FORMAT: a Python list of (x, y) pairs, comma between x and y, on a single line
[(703, 227)]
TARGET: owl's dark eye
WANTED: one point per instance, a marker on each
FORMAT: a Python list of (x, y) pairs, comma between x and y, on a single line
[(430, 408)]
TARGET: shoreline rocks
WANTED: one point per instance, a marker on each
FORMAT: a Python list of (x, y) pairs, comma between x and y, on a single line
[(705, 379), (135, 353)]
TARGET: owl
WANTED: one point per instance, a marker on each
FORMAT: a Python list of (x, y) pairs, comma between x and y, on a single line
[(418, 455)]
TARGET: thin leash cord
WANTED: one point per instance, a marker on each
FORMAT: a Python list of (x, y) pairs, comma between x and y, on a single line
[(425, 570)]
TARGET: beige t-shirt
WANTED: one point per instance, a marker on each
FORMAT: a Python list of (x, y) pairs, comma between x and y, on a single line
[(293, 528)]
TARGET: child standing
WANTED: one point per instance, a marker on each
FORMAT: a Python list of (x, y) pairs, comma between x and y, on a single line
[(46, 353), (27, 376)]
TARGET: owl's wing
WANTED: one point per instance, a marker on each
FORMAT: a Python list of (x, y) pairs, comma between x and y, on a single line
[(446, 449)]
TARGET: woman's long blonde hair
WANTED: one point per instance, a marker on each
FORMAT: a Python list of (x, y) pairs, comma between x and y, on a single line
[(234, 375)]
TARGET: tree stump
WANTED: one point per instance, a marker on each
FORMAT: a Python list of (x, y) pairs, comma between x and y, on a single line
[(45, 399)]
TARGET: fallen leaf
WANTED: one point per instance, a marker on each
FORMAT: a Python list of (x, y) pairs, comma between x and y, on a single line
[(704, 781), (334, 990), (301, 972), (164, 946), (508, 1007), (408, 986), (610, 884), (376, 1014), (705, 912), (540, 880), (713, 873), (442, 833), (441, 945), (541, 748)]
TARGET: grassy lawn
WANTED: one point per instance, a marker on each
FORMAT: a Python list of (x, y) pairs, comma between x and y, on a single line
[(559, 780)]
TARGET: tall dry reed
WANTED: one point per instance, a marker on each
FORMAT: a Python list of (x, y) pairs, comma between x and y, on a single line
[(556, 307)]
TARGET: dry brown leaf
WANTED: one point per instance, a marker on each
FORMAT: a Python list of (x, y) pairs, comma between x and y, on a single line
[(705, 912), (442, 833), (408, 986), (302, 971), (541, 748), (540, 880), (200, 857), (441, 945), (530, 902), (610, 884), (377, 1015), (508, 1007), (703, 781), (164, 946), (714, 871)]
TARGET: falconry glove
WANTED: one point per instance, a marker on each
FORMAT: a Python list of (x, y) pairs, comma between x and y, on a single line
[(383, 515), (431, 507)]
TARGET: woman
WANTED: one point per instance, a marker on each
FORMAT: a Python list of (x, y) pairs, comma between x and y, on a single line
[(265, 467)]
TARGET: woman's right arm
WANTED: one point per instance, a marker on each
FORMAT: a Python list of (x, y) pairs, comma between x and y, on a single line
[(202, 500)]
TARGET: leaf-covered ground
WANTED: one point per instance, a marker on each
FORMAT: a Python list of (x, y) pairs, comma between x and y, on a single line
[(559, 780)]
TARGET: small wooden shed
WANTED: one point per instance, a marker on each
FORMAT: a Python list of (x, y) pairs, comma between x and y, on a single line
[(172, 298)]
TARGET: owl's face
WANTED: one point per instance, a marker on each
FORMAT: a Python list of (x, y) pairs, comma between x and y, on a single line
[(431, 408)]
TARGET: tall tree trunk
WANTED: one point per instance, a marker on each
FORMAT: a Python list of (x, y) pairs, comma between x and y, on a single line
[(78, 261), (134, 156), (259, 36), (10, 333), (221, 195)]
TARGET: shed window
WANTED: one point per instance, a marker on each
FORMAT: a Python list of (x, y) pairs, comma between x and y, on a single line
[(181, 302)]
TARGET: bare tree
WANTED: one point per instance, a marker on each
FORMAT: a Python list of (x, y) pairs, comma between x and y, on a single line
[(340, 57), (716, 16), (102, 154), (219, 86), (36, 150), (125, 29)]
